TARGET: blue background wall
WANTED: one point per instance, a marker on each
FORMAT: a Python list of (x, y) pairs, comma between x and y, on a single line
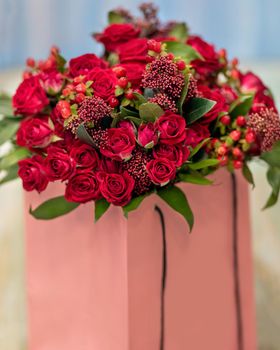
[(248, 28)]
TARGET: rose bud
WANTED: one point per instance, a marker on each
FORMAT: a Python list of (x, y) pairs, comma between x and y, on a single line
[(147, 135), (52, 82), (172, 128), (161, 171)]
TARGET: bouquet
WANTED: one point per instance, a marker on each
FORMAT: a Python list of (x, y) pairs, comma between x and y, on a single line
[(161, 106)]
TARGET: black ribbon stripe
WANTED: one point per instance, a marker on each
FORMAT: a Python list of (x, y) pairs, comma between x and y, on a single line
[(163, 277), (236, 270)]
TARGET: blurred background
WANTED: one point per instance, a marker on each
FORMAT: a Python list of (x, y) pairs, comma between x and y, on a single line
[(249, 29)]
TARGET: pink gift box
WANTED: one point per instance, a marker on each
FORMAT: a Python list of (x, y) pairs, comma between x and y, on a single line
[(99, 286)]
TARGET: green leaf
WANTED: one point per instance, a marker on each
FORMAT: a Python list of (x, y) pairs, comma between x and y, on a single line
[(115, 18), (196, 108), (195, 178), (150, 111), (177, 200), (179, 31), (6, 105), (241, 106), (125, 112), (203, 164), (11, 174), (8, 129), (273, 177), (248, 174), (140, 98), (272, 157), (100, 207), (53, 208), (134, 204), (184, 51), (13, 157), (198, 147), (84, 136), (183, 94)]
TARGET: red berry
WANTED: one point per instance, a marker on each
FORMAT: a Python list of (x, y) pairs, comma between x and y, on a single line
[(171, 56), (237, 164), (181, 65), (138, 91), (237, 153), (80, 97), (26, 75), (214, 142), (154, 45), (54, 50), (66, 91), (120, 72), (250, 137), (222, 150), (240, 121), (30, 62), (122, 82), (79, 79), (235, 62), (129, 95), (235, 135), (64, 109), (235, 74), (81, 88), (225, 119), (223, 53), (114, 102), (223, 160)]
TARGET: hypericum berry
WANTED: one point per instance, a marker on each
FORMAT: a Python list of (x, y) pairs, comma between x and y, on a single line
[(222, 53), (241, 121), (129, 94), (120, 72), (81, 88), (30, 62), (222, 150), (235, 135), (54, 50), (237, 153), (64, 109), (80, 97), (237, 164), (235, 62), (114, 102), (26, 75), (79, 79), (154, 45), (171, 56), (122, 82), (250, 137), (225, 119), (66, 91), (181, 65), (235, 74), (223, 160), (215, 142)]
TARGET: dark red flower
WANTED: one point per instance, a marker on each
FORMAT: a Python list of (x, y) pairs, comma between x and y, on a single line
[(30, 97), (32, 173), (196, 133), (104, 83), (84, 64), (116, 188), (161, 171), (83, 187), (34, 132), (117, 34), (59, 165), (177, 154), (147, 135), (134, 71), (85, 155), (133, 50), (172, 128)]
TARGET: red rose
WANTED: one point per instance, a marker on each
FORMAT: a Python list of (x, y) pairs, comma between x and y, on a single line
[(251, 83), (83, 187), (104, 83), (59, 165), (261, 101), (110, 166), (84, 155), (34, 132), (52, 81), (229, 94), (32, 173), (116, 188), (219, 107), (117, 34), (58, 122), (211, 62), (176, 154), (30, 97), (84, 64), (172, 128), (119, 145), (161, 171), (133, 50), (135, 72), (147, 135), (195, 134)]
